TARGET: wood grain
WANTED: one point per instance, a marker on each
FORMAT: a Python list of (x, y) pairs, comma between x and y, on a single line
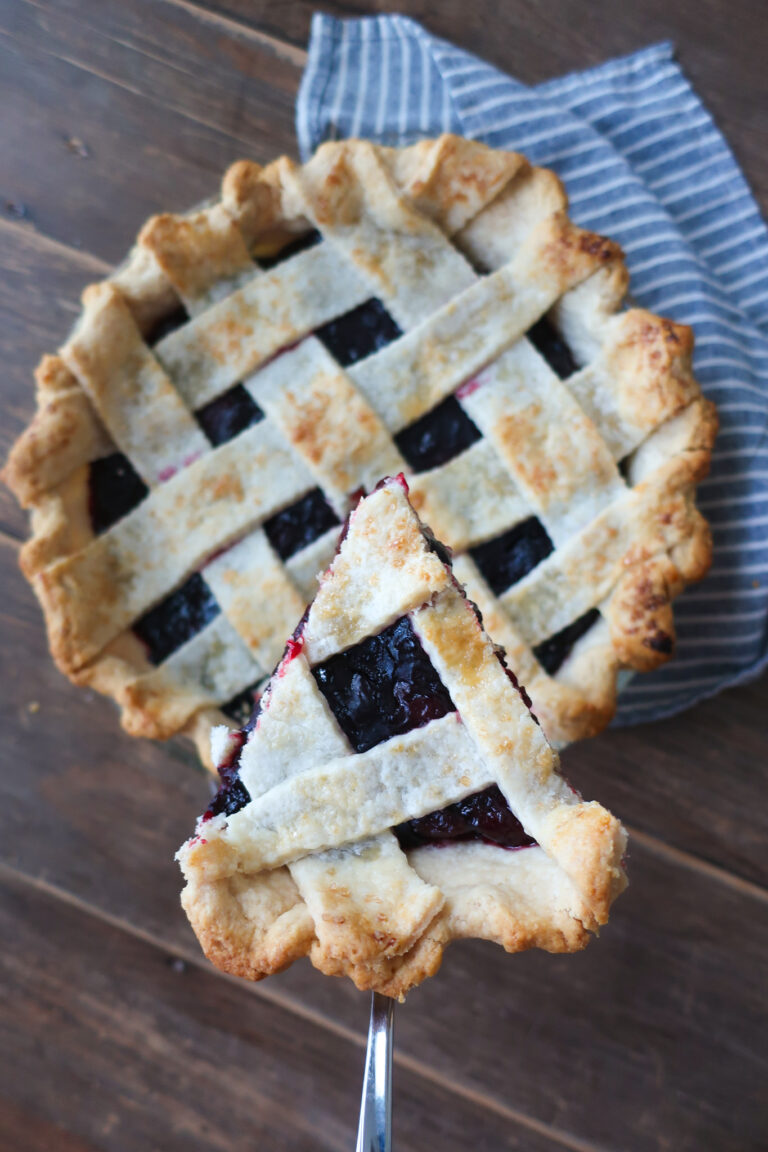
[(138, 119), (40, 285), (99, 816), (653, 1038), (133, 109), (143, 1051)]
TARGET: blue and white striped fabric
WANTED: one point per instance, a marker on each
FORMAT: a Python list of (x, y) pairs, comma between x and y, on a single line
[(642, 162)]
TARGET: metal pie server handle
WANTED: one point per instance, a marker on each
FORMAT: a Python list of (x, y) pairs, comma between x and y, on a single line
[(374, 1133)]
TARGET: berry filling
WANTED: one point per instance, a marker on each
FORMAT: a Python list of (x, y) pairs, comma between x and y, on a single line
[(383, 687), (547, 340), (114, 489), (442, 551), (244, 708), (177, 618), (551, 653), (224, 417), (483, 816), (624, 466), (168, 324), (232, 794), (359, 333), (300, 524), (438, 436), (507, 558)]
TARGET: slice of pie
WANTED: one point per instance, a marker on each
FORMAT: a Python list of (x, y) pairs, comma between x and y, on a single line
[(253, 363), (394, 789)]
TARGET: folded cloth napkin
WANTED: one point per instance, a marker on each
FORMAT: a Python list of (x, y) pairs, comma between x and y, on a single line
[(643, 163)]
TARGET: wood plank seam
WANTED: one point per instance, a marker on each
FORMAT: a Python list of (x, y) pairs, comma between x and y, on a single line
[(284, 49), (43, 240), (697, 864), (179, 109), (99, 74), (410, 1064)]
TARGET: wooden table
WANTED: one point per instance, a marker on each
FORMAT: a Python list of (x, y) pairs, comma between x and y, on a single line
[(116, 1033)]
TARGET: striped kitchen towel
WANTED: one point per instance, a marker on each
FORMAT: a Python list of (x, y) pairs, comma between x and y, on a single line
[(642, 162)]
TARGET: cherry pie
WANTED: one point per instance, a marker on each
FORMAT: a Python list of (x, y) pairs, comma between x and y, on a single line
[(430, 310), (393, 790)]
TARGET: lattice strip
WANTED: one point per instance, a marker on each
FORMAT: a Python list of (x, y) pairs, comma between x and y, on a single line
[(310, 398), (639, 378), (549, 446), (213, 666), (355, 203), (340, 887), (479, 687), (447, 498), (300, 709), (198, 511), (122, 378), (407, 776), (648, 520), (361, 598), (274, 309), (232, 577)]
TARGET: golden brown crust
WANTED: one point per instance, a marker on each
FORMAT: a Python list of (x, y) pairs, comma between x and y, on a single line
[(277, 929), (64, 432), (493, 203), (249, 934)]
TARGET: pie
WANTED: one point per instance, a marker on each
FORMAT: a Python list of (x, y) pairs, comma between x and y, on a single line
[(394, 789), (254, 363)]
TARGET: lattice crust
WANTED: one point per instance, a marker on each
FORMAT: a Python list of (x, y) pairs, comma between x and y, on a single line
[(409, 228), (308, 862)]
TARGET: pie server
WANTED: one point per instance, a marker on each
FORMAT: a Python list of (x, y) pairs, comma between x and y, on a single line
[(374, 1133)]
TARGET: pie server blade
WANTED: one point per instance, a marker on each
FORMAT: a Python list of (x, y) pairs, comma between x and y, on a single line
[(374, 1133)]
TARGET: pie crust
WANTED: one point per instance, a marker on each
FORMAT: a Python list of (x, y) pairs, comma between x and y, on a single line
[(606, 460), (307, 863)]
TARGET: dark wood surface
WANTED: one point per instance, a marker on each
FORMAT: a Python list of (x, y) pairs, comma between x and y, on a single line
[(116, 1034)]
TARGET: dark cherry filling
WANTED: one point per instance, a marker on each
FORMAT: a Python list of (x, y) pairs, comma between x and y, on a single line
[(232, 794), (244, 708), (383, 687), (546, 339), (507, 558), (483, 816), (443, 553), (177, 618), (438, 436), (224, 417), (359, 333), (623, 467), (301, 245), (168, 324), (552, 652), (114, 488), (297, 526)]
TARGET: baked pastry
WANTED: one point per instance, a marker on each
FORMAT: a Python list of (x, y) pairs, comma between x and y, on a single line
[(363, 813), (255, 362)]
